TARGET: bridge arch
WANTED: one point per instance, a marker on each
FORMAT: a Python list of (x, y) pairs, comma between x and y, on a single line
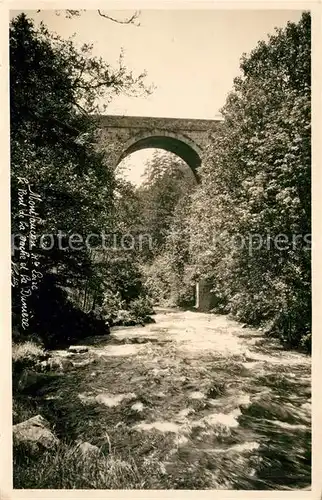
[(123, 135), (175, 143)]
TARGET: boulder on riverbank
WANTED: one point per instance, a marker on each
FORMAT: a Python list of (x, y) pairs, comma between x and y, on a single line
[(34, 435)]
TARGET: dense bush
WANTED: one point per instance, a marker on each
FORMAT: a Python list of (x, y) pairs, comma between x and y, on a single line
[(116, 311), (158, 280), (141, 308), (164, 200)]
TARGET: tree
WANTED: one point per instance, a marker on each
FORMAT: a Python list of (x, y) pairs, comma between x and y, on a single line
[(164, 200), (167, 180), (256, 188), (54, 90)]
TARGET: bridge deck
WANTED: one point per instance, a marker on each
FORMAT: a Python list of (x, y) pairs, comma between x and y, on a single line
[(188, 124)]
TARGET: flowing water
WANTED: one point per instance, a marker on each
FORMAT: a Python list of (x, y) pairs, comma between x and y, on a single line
[(216, 405)]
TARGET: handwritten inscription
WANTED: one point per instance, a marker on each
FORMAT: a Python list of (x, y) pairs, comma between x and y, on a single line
[(25, 272)]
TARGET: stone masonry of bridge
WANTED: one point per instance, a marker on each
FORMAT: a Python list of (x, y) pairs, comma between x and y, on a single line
[(123, 135)]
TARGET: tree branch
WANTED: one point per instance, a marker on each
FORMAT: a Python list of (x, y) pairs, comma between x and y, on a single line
[(130, 20), (91, 86), (71, 13), (83, 110)]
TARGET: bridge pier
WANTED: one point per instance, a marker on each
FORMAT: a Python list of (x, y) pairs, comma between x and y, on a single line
[(205, 299)]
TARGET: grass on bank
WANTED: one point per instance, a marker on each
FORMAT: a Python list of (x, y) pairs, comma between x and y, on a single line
[(66, 468)]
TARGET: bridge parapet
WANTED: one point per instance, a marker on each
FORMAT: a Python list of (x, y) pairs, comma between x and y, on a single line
[(144, 122)]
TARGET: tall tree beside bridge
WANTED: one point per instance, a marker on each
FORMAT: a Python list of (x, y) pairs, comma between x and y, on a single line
[(256, 189)]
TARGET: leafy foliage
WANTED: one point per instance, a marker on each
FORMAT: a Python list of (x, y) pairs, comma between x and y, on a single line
[(246, 228), (163, 202), (254, 242), (54, 89), (167, 180)]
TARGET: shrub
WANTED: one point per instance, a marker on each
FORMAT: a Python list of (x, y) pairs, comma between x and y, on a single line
[(25, 357), (141, 308), (27, 352), (112, 304)]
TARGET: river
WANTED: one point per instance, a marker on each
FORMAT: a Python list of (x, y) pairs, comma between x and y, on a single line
[(210, 403)]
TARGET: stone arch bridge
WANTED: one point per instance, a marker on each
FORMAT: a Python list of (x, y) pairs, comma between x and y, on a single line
[(187, 138)]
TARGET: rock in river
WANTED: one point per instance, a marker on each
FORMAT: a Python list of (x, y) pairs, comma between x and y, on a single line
[(78, 348)]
